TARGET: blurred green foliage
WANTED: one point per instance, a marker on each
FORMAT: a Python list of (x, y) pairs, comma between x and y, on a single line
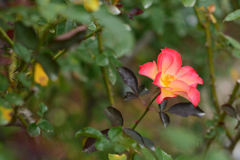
[(77, 96)]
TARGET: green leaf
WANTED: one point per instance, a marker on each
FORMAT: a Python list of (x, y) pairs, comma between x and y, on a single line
[(50, 66), (26, 35), (111, 73), (147, 154), (74, 12), (115, 35), (5, 104), (89, 132), (101, 60), (92, 26), (232, 41), (3, 83), (33, 130), (115, 61), (45, 125), (232, 16), (43, 108), (114, 133), (22, 52), (14, 99), (64, 27), (159, 154), (26, 82), (165, 156), (117, 157), (146, 3), (236, 53), (103, 144), (188, 3)]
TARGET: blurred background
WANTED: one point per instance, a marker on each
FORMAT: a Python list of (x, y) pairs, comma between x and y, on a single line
[(79, 96)]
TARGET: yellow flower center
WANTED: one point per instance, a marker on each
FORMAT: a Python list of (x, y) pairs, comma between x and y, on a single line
[(168, 79)]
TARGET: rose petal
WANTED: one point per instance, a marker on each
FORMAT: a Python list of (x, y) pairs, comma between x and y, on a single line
[(149, 69), (164, 95), (178, 85), (189, 75), (169, 61), (193, 96)]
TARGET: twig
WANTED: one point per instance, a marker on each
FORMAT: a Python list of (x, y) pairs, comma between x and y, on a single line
[(5, 36), (210, 63), (145, 112), (100, 50)]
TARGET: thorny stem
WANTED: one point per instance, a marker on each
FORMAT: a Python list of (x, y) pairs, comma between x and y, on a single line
[(221, 118), (100, 50), (145, 112), (210, 63), (5, 36)]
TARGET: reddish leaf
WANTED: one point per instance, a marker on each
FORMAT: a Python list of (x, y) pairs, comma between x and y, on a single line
[(114, 116), (186, 109), (165, 119), (229, 110), (129, 78)]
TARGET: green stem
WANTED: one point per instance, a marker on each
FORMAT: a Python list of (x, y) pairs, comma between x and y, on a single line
[(100, 50), (198, 16), (230, 101), (145, 112), (59, 54), (5, 36), (235, 140), (210, 63), (22, 120)]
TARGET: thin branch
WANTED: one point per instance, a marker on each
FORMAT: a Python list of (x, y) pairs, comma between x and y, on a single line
[(145, 112), (100, 50), (210, 63), (5, 36)]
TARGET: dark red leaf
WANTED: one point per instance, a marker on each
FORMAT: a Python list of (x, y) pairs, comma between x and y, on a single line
[(129, 78), (135, 136), (229, 110), (130, 95), (165, 119), (114, 116), (186, 109), (89, 145)]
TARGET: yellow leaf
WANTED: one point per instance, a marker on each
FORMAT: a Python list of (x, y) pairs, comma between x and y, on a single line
[(40, 76), (5, 115), (117, 157), (91, 5)]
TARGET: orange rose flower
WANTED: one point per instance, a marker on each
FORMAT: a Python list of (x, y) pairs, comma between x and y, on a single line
[(173, 79)]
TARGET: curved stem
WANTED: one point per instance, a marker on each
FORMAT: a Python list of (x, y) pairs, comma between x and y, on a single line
[(145, 112)]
